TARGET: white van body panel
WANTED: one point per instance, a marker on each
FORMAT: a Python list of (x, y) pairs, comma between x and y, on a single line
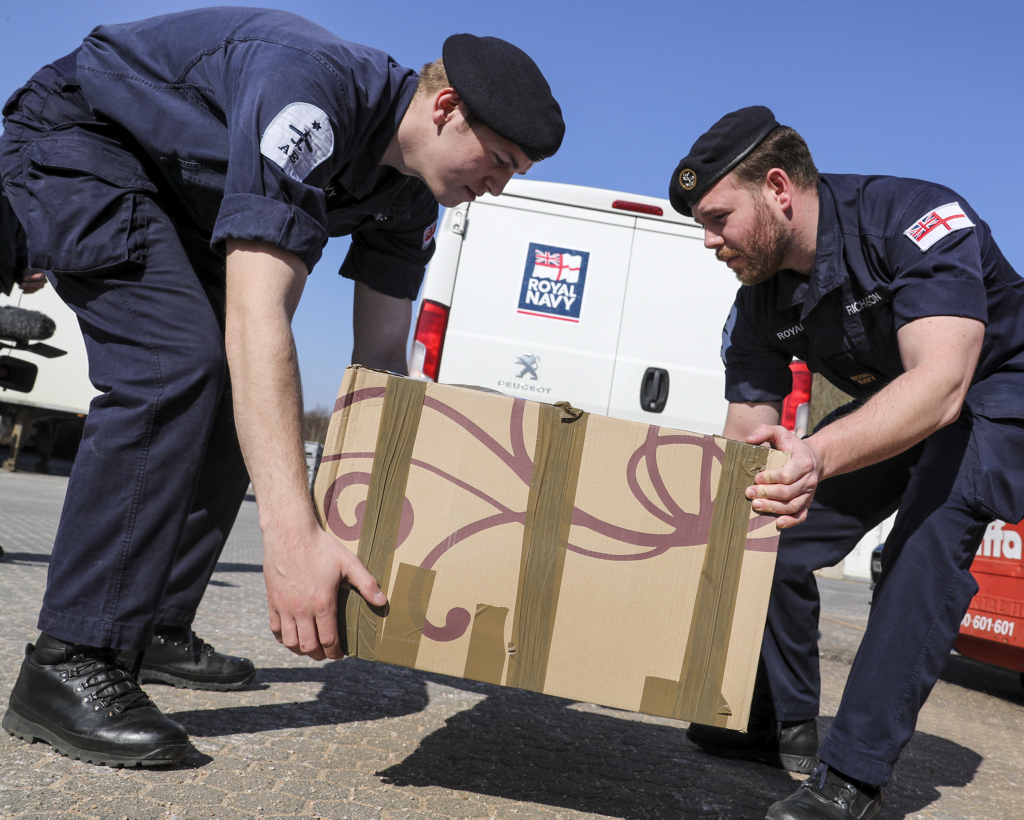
[(62, 383), (677, 301), (652, 296)]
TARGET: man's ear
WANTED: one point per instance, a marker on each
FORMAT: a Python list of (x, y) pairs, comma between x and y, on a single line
[(778, 185), (446, 102)]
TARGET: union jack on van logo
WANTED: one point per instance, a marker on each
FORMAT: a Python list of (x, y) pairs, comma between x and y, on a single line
[(553, 282)]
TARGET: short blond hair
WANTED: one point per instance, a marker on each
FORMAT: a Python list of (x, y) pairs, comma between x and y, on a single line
[(434, 78)]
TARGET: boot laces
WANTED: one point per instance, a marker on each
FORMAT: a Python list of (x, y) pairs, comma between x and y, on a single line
[(196, 645), (108, 684), (831, 786)]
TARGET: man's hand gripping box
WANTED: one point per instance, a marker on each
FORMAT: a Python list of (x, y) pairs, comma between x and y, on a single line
[(539, 547)]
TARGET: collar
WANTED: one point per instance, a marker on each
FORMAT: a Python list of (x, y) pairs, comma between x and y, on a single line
[(359, 178), (829, 270)]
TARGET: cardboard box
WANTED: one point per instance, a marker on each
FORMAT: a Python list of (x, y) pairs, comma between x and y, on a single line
[(540, 547)]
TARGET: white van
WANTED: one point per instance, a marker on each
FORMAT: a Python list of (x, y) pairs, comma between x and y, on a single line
[(604, 299), (62, 391)]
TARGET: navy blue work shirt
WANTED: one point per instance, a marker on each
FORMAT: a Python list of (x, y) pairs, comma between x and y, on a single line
[(270, 128), (889, 251)]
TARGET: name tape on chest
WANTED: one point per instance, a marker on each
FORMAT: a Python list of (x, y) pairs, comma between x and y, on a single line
[(936, 224), (298, 139)]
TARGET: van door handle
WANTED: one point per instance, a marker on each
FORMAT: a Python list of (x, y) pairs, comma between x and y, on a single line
[(654, 390)]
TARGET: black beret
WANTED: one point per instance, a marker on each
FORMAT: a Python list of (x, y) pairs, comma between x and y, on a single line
[(506, 91), (716, 152)]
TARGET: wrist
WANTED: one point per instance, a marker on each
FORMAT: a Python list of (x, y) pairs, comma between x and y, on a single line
[(289, 530), (818, 449)]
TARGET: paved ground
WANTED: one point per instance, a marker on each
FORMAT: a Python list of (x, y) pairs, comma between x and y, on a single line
[(351, 739)]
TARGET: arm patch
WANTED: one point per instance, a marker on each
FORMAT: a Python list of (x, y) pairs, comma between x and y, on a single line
[(298, 139), (934, 225)]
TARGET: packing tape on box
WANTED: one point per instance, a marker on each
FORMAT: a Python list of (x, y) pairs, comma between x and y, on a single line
[(382, 515), (407, 613), (485, 660), (697, 695), (561, 431)]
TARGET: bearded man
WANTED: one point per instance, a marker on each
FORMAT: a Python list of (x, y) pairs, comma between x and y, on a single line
[(895, 291)]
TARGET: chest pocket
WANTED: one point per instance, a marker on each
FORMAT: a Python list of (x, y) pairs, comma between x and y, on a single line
[(859, 380), (855, 341)]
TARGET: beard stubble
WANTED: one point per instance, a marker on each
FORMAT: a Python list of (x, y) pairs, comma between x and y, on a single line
[(765, 250)]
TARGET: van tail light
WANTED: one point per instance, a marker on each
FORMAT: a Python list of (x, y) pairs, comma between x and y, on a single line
[(796, 408), (425, 359)]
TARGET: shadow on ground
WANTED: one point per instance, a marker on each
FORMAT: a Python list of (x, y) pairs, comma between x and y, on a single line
[(928, 764), (985, 678), (522, 746), (25, 558), (352, 690)]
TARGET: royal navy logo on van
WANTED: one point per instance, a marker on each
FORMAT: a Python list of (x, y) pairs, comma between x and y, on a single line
[(790, 332), (855, 306), (934, 225), (298, 139), (553, 282)]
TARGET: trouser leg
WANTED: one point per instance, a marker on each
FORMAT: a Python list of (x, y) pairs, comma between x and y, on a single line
[(844, 509), (150, 304), (219, 494), (156, 352), (919, 600)]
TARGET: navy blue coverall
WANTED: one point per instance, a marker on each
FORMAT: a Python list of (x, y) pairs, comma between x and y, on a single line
[(130, 163), (889, 251)]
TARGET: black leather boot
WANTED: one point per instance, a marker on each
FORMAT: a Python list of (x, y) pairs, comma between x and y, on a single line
[(789, 746), (86, 705), (179, 657), (829, 795)]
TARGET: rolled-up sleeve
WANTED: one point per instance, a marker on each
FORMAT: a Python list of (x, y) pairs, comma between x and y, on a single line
[(261, 219), (286, 140)]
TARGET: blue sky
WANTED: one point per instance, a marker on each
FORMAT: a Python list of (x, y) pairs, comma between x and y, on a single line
[(929, 90)]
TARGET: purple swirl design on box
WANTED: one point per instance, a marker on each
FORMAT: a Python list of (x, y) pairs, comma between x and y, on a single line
[(685, 529)]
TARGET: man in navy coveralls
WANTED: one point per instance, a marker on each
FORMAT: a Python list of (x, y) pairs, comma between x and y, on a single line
[(179, 177), (895, 291)]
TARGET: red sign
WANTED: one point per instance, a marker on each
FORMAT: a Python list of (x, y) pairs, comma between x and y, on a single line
[(993, 628)]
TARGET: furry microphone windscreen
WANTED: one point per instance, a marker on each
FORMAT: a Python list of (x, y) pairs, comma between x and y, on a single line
[(25, 325)]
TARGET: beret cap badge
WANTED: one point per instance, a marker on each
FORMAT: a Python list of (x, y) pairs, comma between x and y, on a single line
[(687, 179)]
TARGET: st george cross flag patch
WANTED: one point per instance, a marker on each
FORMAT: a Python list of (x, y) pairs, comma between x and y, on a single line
[(428, 234), (934, 225)]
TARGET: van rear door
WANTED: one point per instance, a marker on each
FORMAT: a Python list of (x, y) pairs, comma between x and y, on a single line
[(676, 303), (537, 300)]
